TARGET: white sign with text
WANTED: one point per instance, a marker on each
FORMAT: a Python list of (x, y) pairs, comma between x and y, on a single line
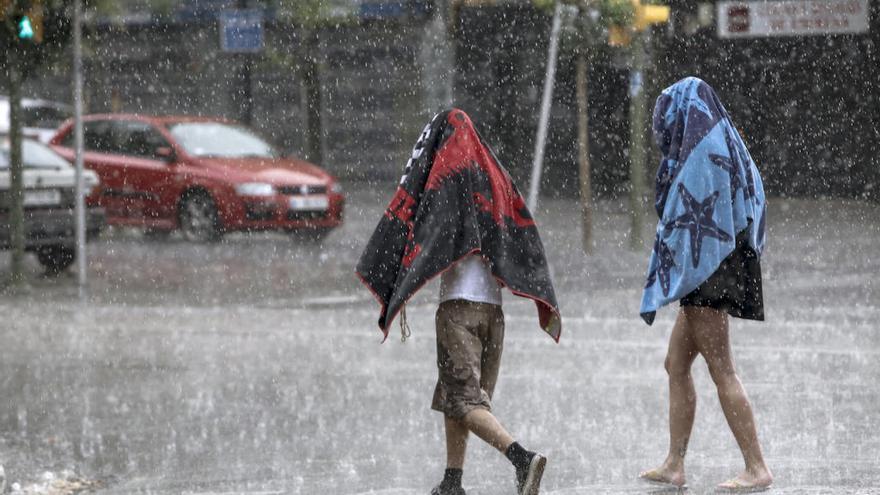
[(791, 18)]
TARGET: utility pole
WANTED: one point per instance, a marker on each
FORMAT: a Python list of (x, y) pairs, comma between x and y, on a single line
[(24, 26), (546, 104), (246, 69), (79, 207), (583, 138), (436, 58), (16, 190)]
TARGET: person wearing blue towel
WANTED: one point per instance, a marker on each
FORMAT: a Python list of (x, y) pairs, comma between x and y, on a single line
[(710, 200)]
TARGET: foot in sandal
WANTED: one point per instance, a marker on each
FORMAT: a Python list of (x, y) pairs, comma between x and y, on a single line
[(663, 476), (748, 482)]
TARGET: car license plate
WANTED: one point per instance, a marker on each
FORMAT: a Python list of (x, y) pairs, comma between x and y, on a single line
[(311, 203), (46, 197)]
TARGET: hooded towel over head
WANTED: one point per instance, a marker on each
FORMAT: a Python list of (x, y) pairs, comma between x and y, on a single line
[(453, 200), (708, 191)]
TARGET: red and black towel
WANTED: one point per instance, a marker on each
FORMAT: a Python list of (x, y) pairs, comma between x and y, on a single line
[(456, 199)]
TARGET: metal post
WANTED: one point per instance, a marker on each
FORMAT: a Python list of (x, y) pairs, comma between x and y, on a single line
[(247, 86), (16, 173), (80, 207), (636, 140), (546, 101), (248, 91), (584, 153), (435, 57)]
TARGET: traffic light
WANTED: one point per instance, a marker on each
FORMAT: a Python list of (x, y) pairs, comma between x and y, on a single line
[(26, 19), (25, 29)]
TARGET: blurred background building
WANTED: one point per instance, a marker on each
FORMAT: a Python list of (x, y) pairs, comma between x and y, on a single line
[(806, 101)]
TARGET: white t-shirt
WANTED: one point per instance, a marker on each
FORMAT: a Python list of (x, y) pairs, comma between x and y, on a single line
[(470, 279)]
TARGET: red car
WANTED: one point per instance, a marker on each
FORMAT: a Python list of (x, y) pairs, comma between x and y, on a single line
[(204, 176)]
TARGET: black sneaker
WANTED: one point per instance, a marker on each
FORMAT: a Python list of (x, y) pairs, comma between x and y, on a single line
[(447, 490), (528, 477)]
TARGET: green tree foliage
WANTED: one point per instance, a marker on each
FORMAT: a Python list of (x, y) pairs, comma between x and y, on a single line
[(616, 12)]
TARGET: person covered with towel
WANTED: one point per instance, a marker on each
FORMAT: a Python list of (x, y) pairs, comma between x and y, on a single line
[(457, 214), (710, 200)]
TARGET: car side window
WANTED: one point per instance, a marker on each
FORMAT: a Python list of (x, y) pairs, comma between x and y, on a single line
[(68, 141), (139, 139), (97, 136), (43, 116)]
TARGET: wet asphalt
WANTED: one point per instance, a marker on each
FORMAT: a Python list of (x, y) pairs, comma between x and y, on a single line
[(255, 366)]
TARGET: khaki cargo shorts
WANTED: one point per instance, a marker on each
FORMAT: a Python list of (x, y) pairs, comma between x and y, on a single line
[(470, 339)]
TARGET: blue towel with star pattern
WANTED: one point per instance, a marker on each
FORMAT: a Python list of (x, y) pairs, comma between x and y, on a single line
[(708, 191)]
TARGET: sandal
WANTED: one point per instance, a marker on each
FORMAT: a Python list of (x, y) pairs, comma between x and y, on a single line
[(653, 477), (736, 485)]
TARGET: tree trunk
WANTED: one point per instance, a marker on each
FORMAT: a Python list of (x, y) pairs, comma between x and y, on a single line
[(311, 98), (636, 140), (247, 100)]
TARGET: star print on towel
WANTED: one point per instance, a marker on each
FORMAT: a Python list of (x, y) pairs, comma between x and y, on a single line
[(697, 219), (707, 191), (666, 260), (733, 165)]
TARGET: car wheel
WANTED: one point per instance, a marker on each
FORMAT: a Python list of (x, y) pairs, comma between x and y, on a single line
[(199, 221), (56, 258)]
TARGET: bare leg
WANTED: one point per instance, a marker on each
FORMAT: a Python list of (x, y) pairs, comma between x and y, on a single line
[(456, 443), (682, 403), (710, 332), (484, 425)]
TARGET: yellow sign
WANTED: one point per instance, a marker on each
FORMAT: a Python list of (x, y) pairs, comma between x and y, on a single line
[(644, 17), (649, 14)]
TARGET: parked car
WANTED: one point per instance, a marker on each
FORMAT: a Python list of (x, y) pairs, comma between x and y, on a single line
[(49, 192), (40, 118), (203, 176)]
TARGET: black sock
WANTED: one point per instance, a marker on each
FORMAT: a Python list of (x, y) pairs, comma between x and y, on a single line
[(452, 477), (519, 456)]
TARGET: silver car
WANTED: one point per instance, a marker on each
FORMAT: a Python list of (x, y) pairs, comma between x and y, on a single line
[(49, 183), (41, 118)]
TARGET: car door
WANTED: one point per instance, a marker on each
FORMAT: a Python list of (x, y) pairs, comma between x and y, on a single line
[(150, 175), (99, 155)]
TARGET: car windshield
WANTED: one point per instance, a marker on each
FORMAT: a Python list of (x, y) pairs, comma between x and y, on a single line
[(34, 155), (220, 140)]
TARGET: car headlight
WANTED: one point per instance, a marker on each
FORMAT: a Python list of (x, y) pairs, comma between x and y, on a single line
[(90, 184), (255, 189), (336, 187)]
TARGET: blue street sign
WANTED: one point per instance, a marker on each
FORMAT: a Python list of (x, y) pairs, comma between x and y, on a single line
[(241, 31)]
